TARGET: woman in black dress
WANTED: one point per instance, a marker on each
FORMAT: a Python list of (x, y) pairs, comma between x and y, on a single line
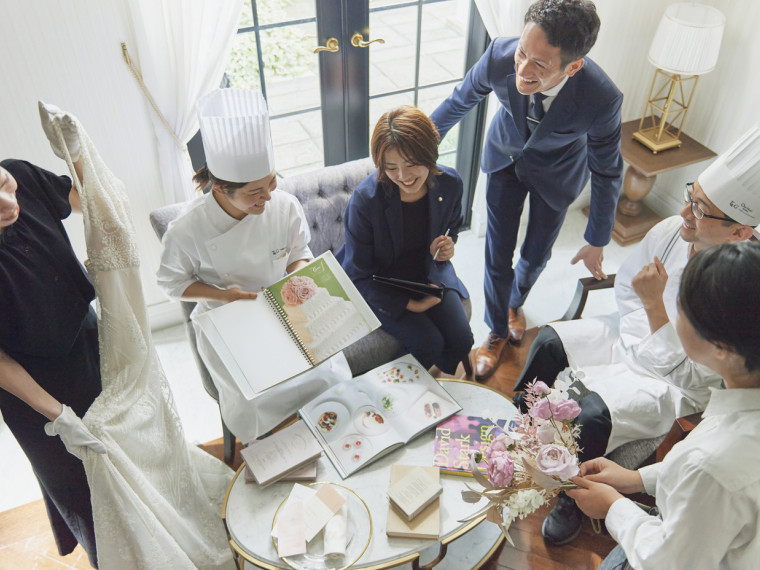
[(48, 342)]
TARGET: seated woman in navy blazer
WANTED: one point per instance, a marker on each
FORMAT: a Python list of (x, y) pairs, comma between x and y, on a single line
[(402, 221)]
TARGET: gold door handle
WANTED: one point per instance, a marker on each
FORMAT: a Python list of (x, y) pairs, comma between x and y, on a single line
[(330, 45), (357, 40)]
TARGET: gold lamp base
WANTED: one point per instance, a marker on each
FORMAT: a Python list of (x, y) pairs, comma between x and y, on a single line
[(665, 111), (656, 140)]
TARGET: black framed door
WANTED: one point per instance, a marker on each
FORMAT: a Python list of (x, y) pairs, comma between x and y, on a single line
[(371, 55)]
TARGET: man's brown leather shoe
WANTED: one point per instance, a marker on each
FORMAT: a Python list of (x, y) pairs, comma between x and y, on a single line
[(488, 355), (516, 324)]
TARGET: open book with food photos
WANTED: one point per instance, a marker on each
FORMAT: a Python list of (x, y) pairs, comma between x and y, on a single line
[(359, 421), (293, 325)]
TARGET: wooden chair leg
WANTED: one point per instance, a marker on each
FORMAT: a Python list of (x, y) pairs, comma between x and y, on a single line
[(229, 444), (468, 368)]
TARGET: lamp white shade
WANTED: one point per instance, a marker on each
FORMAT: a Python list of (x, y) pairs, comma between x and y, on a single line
[(688, 38)]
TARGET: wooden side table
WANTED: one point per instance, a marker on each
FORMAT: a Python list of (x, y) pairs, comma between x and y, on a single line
[(633, 218)]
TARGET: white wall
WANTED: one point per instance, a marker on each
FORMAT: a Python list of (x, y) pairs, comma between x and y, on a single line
[(725, 101), (72, 58)]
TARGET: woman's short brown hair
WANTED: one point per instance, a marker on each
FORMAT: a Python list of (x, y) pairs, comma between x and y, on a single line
[(204, 179), (412, 134)]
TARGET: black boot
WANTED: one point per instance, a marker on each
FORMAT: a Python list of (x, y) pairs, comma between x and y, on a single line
[(563, 523)]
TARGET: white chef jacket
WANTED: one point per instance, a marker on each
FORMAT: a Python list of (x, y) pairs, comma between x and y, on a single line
[(708, 492), (206, 244), (645, 379)]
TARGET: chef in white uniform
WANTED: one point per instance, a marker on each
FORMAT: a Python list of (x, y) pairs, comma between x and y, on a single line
[(241, 236), (633, 359), (708, 486)]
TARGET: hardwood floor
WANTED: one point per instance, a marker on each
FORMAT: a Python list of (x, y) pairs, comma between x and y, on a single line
[(27, 542)]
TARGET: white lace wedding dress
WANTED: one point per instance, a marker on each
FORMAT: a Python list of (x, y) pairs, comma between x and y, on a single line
[(156, 500)]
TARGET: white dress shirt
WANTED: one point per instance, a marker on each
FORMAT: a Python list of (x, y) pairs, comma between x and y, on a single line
[(551, 94), (645, 379), (708, 492)]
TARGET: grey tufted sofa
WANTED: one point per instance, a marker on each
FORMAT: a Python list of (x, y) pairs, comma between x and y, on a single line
[(324, 195)]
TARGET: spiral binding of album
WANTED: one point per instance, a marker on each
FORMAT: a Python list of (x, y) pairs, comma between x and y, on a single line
[(307, 353)]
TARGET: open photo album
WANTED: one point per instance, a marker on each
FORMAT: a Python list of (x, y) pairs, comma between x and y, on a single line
[(359, 421), (293, 325)]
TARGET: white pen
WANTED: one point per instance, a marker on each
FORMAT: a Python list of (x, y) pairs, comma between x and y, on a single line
[(437, 251)]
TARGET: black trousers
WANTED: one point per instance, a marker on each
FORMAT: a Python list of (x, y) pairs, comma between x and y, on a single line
[(546, 359), (75, 381)]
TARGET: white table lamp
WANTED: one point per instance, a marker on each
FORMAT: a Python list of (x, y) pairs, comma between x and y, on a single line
[(686, 45)]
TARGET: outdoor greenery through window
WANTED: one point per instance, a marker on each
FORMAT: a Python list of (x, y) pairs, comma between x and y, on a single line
[(419, 64)]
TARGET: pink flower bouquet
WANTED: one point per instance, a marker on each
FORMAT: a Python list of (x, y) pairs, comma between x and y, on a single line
[(533, 460)]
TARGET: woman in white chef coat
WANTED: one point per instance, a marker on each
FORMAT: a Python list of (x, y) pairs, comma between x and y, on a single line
[(708, 486), (241, 236)]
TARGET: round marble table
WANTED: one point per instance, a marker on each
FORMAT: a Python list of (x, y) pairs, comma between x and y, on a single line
[(248, 509)]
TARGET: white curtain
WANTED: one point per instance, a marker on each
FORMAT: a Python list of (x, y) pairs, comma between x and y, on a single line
[(182, 47), (503, 17), (725, 101), (156, 500)]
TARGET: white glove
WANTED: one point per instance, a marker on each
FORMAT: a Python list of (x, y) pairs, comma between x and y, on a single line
[(74, 434), (68, 128)]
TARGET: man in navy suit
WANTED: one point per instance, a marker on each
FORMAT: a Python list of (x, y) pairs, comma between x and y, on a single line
[(558, 124)]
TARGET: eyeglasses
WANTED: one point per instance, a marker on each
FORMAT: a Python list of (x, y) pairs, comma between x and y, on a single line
[(688, 198)]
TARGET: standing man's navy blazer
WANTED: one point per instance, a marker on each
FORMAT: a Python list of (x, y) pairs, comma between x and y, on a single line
[(374, 236), (578, 137)]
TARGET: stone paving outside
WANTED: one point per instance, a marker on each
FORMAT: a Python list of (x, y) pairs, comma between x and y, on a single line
[(298, 139)]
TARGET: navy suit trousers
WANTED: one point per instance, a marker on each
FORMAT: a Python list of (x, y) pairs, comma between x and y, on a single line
[(441, 335), (504, 285)]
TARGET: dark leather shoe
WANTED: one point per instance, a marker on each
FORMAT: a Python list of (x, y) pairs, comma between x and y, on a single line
[(516, 324), (488, 355), (563, 523), (519, 401)]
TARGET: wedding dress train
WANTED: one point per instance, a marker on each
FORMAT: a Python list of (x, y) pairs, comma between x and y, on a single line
[(156, 499)]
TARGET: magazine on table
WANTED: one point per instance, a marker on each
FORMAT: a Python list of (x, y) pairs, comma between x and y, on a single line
[(293, 325), (459, 436), (359, 421)]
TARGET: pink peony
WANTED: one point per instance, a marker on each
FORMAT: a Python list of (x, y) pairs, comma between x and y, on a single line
[(561, 410), (498, 444), (501, 469), (540, 388), (546, 433), (557, 461), (565, 410), (298, 289), (541, 409)]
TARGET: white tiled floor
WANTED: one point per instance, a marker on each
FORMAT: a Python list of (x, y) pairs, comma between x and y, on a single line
[(200, 414)]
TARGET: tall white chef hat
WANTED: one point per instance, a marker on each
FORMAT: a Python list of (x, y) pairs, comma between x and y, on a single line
[(732, 182), (236, 137)]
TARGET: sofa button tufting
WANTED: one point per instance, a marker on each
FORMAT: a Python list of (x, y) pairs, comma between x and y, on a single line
[(339, 219), (314, 226)]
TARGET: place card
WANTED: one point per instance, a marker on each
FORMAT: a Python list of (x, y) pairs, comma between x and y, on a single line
[(291, 529), (320, 508)]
